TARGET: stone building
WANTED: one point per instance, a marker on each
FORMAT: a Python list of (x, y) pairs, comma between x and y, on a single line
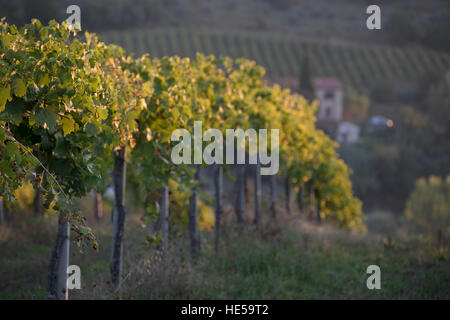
[(329, 94), (347, 132)]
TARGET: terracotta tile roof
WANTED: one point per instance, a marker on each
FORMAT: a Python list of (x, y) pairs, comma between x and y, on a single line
[(327, 83)]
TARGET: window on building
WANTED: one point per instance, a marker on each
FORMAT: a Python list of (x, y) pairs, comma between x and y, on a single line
[(328, 112), (329, 95)]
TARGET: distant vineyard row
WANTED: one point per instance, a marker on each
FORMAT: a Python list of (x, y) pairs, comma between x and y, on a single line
[(359, 66)]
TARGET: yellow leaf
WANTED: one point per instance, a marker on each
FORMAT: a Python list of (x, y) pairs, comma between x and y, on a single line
[(6, 40), (132, 143), (44, 80), (148, 134)]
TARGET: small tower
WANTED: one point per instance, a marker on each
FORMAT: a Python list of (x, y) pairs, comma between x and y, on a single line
[(329, 93)]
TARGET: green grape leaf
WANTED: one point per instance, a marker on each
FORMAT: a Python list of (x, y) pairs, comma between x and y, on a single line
[(91, 128), (15, 110), (68, 125), (102, 113), (46, 119), (11, 149), (18, 87), (44, 80), (6, 40), (5, 95), (31, 159), (5, 168), (84, 229)]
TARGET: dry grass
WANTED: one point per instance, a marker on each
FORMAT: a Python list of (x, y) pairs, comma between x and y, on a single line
[(289, 259)]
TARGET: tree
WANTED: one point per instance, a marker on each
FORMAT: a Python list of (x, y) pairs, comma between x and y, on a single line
[(240, 193), (287, 185), (193, 217), (416, 146), (300, 199), (311, 199), (164, 218), (218, 187), (355, 107), (428, 208), (273, 194), (307, 73), (318, 212), (98, 205), (2, 211), (257, 196), (38, 202), (59, 261), (119, 179)]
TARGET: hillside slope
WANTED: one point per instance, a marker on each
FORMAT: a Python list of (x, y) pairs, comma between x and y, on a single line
[(356, 65)]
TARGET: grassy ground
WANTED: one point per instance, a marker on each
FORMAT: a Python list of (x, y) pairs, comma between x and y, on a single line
[(291, 259)]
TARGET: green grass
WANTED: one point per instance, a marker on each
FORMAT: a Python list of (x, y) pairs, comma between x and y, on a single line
[(281, 54), (289, 260)]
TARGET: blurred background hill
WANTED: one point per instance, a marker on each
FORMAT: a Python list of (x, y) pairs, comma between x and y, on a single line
[(406, 22)]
